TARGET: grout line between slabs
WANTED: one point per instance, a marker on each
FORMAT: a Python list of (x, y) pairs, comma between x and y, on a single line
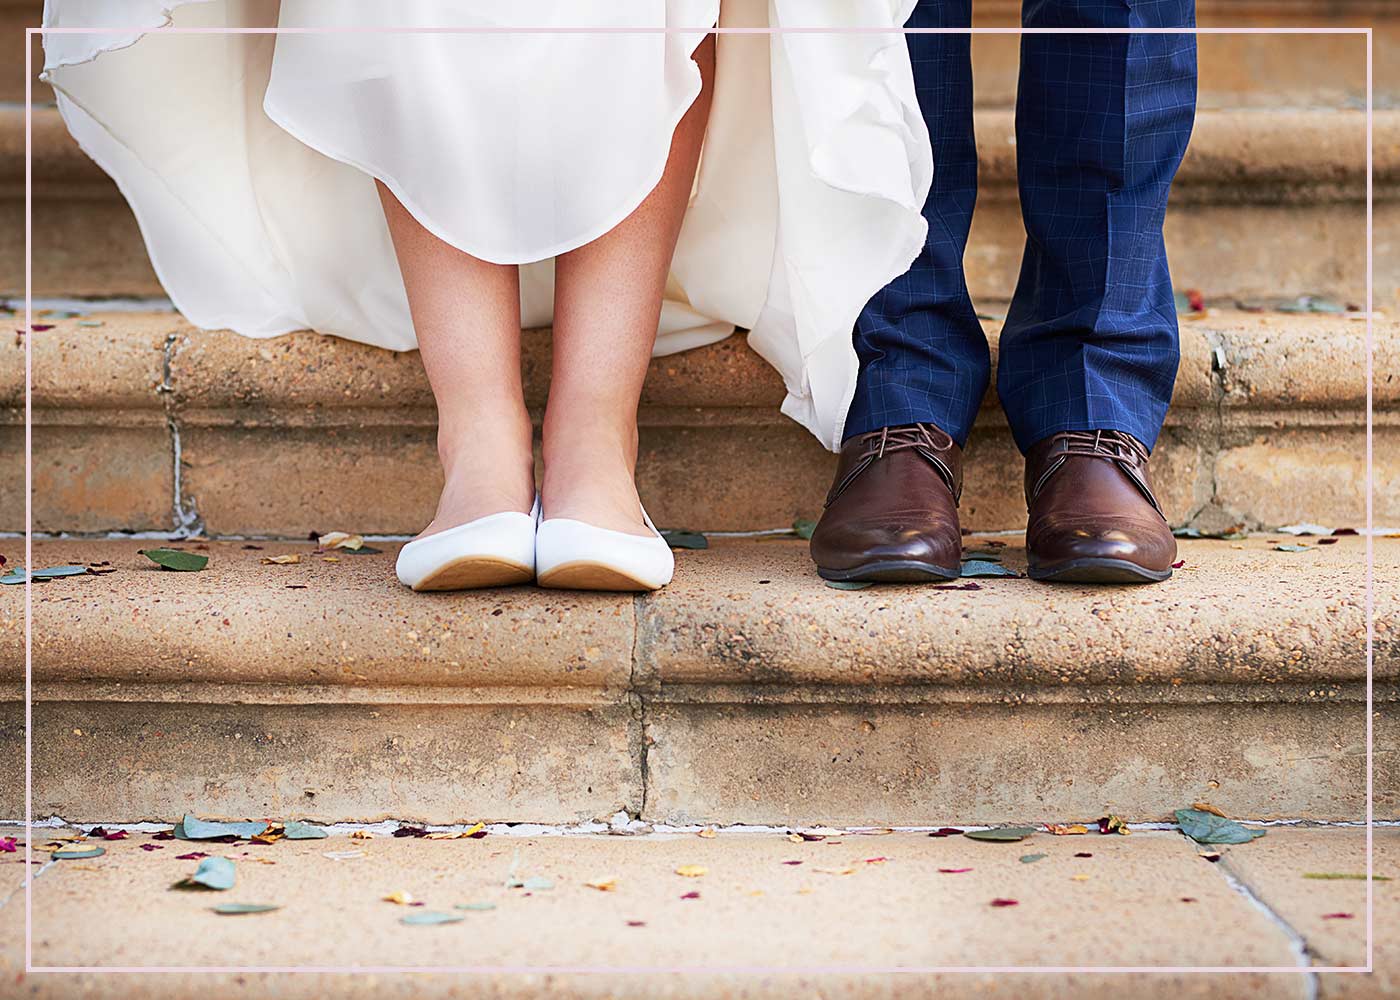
[(187, 521), (1297, 944)]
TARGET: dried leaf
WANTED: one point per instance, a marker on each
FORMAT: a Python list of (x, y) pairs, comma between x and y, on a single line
[(212, 873), (176, 560), (399, 897), (1001, 834), (1207, 828), (846, 870), (193, 828), (708, 833), (984, 567), (1206, 807), (1113, 824), (282, 560), (340, 540), (77, 853), (602, 884), (956, 586), (362, 835), (297, 830), (1211, 856), (428, 918), (692, 871), (1070, 830), (230, 909)]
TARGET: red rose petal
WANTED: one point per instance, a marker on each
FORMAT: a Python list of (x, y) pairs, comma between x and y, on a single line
[(954, 871), (1006, 902)]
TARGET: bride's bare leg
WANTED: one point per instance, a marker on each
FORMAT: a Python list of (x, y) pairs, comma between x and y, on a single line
[(607, 303), (467, 315)]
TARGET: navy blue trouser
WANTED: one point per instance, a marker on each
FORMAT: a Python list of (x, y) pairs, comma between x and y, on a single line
[(1090, 340)]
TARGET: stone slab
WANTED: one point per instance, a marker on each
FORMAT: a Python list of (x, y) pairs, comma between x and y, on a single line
[(753, 911)]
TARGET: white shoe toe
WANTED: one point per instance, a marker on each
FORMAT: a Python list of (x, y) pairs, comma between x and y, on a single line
[(493, 551), (575, 555)]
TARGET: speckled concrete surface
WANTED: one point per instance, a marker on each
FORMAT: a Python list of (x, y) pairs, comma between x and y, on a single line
[(854, 901)]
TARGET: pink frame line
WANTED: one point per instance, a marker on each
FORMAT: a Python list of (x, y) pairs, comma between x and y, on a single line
[(29, 967)]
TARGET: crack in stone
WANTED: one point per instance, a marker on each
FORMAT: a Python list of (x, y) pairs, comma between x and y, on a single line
[(188, 523)]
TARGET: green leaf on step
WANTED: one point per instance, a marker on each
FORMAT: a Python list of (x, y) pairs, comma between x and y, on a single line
[(212, 873), (363, 550), (1292, 548), (1183, 302), (1334, 876), (13, 577), (76, 853), (476, 907), (90, 322), (56, 571), (686, 540), (425, 918), (1001, 834), (229, 909), (1208, 828), (193, 828), (984, 567), (849, 584), (174, 559), (296, 830), (803, 528), (1030, 859)]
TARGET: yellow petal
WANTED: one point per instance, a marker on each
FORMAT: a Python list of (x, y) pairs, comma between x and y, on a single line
[(708, 833), (400, 897), (602, 884), (692, 871), (284, 560)]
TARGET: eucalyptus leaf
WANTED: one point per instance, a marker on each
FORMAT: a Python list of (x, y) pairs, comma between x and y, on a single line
[(849, 584), (363, 550), (56, 571), (1208, 828), (803, 528), (1292, 548), (1005, 834), (1030, 859), (423, 918), (475, 907), (193, 828), (174, 559), (985, 567), (212, 873), (297, 830), (77, 853), (685, 539), (13, 577), (229, 909)]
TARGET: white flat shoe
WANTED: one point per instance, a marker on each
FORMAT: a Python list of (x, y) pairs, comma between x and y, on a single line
[(574, 555), (493, 551)]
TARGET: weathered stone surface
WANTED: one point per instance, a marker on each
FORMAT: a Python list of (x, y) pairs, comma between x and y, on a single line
[(348, 623), (890, 914), (1267, 200), (1275, 874), (1316, 474), (759, 614), (444, 762), (121, 479)]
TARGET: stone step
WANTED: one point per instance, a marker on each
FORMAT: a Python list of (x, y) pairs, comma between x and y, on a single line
[(1269, 201), (745, 692), (766, 919), (145, 424)]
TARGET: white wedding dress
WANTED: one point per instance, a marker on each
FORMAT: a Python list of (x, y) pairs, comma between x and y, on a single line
[(249, 159)]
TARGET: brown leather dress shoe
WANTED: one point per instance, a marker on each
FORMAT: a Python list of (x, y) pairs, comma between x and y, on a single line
[(1093, 518), (892, 514)]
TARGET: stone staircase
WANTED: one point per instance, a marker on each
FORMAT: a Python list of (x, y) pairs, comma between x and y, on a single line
[(747, 691)]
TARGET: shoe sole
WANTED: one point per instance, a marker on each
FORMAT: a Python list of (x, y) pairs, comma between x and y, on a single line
[(588, 575), (1097, 570), (894, 571), (475, 573)]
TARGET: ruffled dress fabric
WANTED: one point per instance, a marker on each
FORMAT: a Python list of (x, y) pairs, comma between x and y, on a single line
[(249, 159)]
